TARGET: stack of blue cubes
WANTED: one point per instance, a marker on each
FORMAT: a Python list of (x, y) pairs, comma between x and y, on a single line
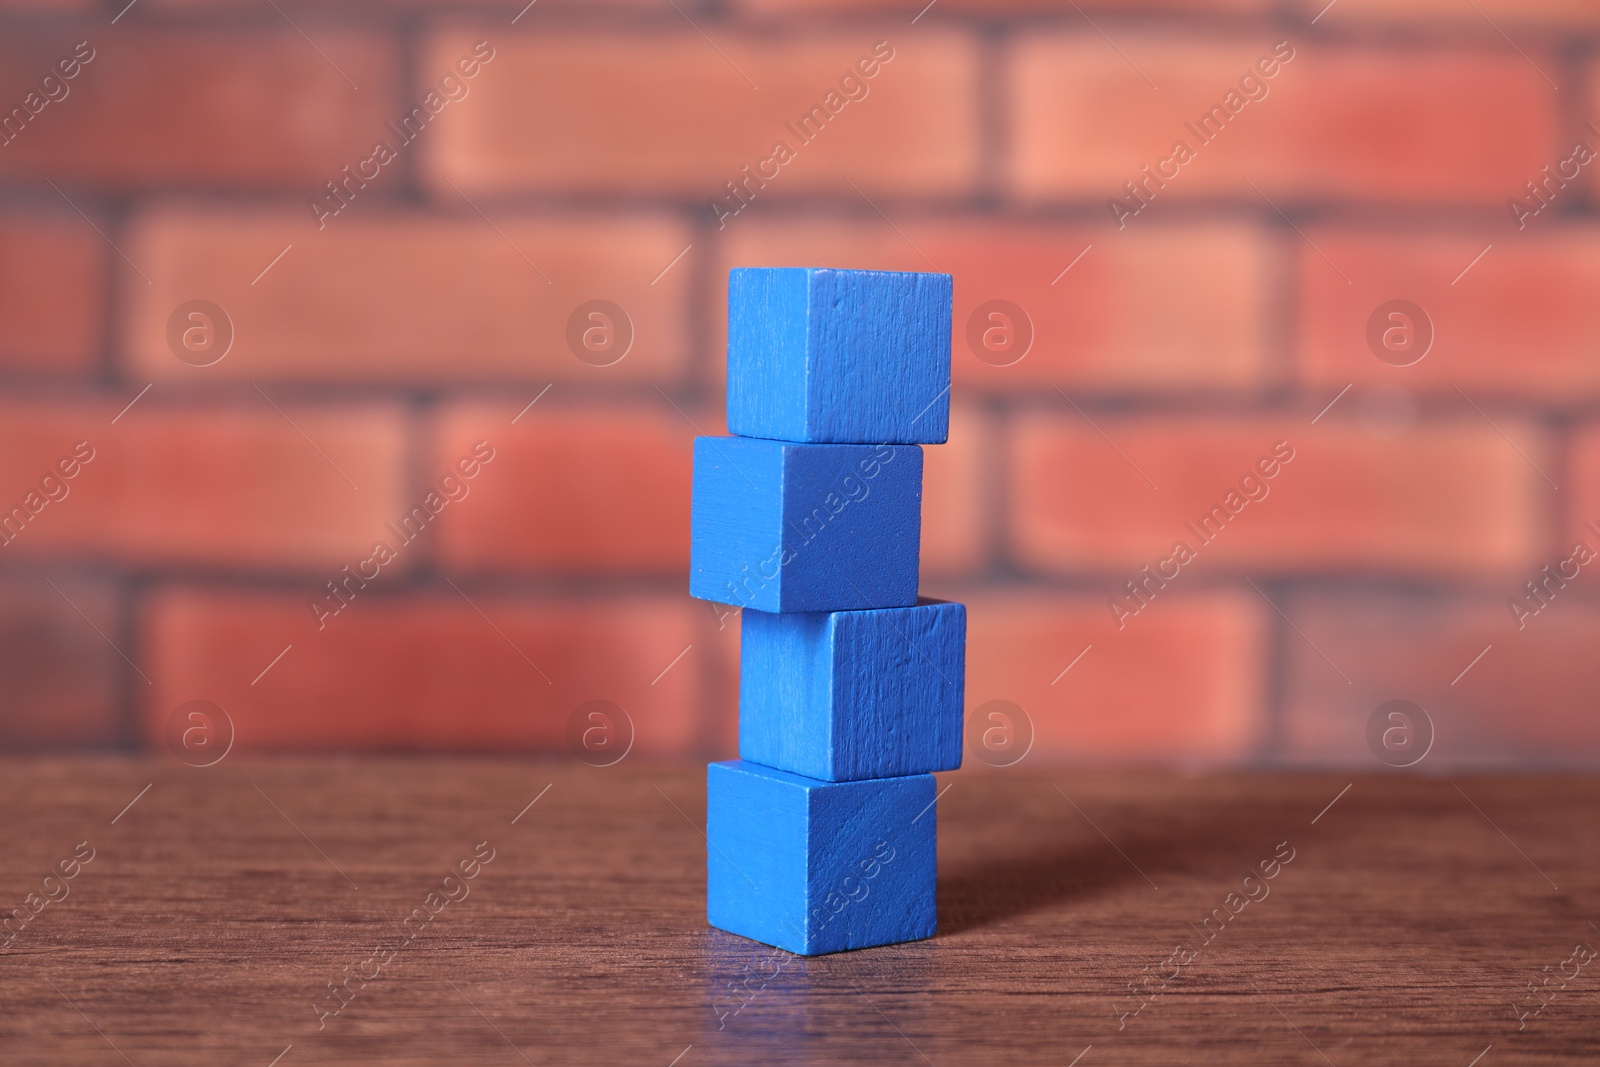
[(822, 834)]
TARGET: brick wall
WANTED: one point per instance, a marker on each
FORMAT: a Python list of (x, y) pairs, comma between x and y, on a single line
[(1194, 319)]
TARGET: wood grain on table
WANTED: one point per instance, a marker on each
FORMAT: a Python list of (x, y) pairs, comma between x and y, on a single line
[(222, 907)]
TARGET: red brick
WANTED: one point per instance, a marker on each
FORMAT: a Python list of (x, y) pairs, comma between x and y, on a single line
[(60, 678), (231, 486), (588, 489), (1003, 7), (721, 648), (1204, 702), (664, 113), (1528, 701), (1531, 293), (426, 670), (1489, 15), (955, 506), (1445, 498), (382, 9), (1583, 480), (1159, 308), (1391, 125), (51, 293), (410, 298), (246, 108)]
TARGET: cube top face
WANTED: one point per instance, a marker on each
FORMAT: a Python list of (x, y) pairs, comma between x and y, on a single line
[(849, 695), (838, 356), (787, 527), (816, 867)]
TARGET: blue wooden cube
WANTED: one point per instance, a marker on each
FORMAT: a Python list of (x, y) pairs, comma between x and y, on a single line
[(839, 355), (794, 527), (817, 867), (846, 695)]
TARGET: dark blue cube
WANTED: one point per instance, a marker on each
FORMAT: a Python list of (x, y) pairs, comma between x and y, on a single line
[(796, 527), (820, 355), (816, 867), (846, 695)]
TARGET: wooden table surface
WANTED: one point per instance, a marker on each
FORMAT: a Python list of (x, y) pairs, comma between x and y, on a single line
[(218, 908)]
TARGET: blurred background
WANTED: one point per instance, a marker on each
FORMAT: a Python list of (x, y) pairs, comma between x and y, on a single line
[(272, 273)]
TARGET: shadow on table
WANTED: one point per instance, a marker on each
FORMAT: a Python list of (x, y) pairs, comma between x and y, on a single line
[(1208, 839)]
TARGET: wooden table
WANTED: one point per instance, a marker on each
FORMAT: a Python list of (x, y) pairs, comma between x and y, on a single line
[(219, 906)]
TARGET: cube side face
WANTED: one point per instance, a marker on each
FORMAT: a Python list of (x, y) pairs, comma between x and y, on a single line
[(899, 678), (736, 544), (758, 841), (871, 874), (852, 527), (768, 314), (879, 357), (786, 715), (839, 356)]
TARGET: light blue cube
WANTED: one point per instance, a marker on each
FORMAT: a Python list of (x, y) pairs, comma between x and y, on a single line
[(846, 695), (815, 867), (792, 527), (821, 355)]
